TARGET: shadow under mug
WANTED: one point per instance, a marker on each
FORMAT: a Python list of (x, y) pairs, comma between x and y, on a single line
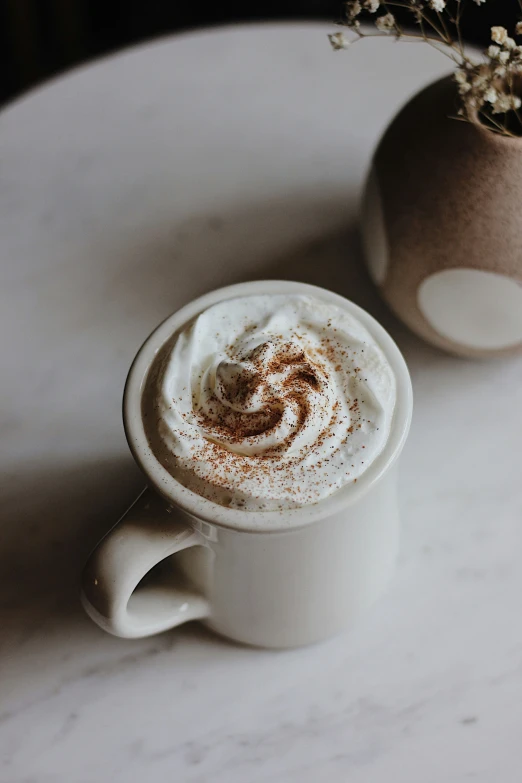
[(266, 578)]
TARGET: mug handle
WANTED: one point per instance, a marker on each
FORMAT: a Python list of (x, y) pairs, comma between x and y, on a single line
[(144, 536)]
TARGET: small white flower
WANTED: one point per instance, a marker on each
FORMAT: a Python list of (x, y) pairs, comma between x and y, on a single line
[(491, 95), (518, 28), (479, 2), (506, 103), (509, 43), (385, 23), (372, 5), (464, 88), (354, 9), (481, 77), (438, 5), (460, 76), (499, 34), (503, 56), (500, 70), (493, 51), (339, 41)]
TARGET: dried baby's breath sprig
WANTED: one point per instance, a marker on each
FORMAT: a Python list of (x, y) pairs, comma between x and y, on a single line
[(488, 90), (492, 87), (339, 41), (386, 23)]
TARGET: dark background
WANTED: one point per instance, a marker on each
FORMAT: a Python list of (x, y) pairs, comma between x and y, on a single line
[(39, 38)]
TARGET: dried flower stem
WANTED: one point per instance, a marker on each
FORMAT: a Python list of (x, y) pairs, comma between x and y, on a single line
[(487, 90)]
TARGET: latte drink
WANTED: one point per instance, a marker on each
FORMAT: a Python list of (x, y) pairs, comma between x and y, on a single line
[(269, 402)]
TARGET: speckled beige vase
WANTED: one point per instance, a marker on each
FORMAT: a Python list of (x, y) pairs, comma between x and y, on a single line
[(442, 227)]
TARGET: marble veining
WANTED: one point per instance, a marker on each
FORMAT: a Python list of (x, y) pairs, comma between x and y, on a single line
[(194, 180)]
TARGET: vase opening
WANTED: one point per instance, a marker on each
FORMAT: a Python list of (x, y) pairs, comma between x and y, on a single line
[(507, 124)]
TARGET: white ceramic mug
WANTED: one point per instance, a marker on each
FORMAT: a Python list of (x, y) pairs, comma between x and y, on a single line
[(268, 578)]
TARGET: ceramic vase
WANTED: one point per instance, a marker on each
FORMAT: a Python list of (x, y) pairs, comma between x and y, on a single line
[(442, 226)]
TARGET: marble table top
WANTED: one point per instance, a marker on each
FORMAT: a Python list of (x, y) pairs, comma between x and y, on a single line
[(127, 188)]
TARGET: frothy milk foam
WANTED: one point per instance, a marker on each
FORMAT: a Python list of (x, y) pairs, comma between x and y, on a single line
[(269, 402)]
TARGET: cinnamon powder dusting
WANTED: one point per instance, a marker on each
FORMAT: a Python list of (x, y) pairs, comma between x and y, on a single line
[(272, 420)]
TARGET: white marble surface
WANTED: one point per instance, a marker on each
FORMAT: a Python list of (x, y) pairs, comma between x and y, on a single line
[(126, 189)]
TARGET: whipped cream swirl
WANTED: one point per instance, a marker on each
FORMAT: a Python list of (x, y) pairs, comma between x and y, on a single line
[(269, 402)]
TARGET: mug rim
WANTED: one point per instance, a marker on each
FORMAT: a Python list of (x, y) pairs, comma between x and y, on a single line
[(213, 513)]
